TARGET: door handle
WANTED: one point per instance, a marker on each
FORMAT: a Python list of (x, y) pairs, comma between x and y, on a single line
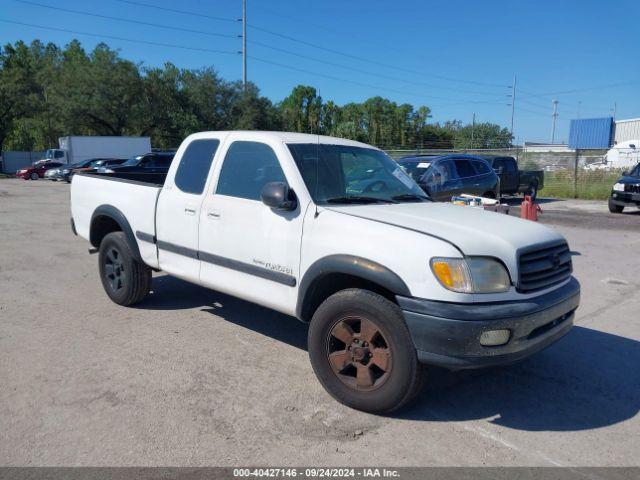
[(190, 211), (213, 215)]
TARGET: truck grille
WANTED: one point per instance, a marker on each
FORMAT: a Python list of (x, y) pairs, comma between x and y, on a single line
[(630, 187), (543, 267)]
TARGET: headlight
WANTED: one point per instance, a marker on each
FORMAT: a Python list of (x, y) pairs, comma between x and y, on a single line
[(471, 275), (65, 171), (105, 170), (619, 187)]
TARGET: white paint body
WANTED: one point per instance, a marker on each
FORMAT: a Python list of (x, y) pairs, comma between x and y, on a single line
[(401, 237)]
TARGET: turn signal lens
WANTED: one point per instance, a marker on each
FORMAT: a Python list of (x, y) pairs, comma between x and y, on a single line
[(452, 273), (471, 275)]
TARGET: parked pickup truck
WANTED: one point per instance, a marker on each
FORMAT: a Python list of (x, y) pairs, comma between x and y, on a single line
[(512, 180), (388, 280)]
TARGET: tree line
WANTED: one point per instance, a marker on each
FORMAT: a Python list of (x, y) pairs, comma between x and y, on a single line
[(47, 92)]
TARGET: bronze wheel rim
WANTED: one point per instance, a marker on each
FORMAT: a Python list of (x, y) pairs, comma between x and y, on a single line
[(359, 353)]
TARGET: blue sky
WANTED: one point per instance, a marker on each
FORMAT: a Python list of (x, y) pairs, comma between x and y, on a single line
[(457, 57)]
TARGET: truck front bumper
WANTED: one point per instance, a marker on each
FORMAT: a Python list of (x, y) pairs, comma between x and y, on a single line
[(625, 199), (448, 334)]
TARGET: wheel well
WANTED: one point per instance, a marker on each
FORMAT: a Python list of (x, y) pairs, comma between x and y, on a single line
[(326, 285), (101, 226)]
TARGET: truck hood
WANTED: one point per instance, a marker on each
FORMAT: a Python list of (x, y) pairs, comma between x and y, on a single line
[(472, 230)]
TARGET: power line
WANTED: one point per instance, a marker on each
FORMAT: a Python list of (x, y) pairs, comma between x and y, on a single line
[(244, 76), (374, 62), (185, 47), (120, 19), (354, 82), (327, 29), (578, 90), (367, 72), (313, 45), (175, 10), (113, 37)]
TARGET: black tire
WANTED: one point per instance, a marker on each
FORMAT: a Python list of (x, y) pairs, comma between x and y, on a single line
[(125, 280), (533, 191), (391, 388), (34, 176), (614, 207)]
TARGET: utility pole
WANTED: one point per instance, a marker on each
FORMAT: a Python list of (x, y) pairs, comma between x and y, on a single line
[(473, 127), (555, 117), (244, 44), (513, 104)]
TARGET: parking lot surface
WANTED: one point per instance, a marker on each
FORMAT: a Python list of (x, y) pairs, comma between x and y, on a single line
[(195, 377)]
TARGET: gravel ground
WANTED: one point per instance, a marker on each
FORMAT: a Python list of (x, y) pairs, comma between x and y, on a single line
[(194, 377)]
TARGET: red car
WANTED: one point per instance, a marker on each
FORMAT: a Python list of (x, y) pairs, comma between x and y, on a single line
[(37, 171)]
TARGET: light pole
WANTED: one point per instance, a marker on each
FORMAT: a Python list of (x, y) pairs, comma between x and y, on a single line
[(244, 44), (513, 104), (555, 117)]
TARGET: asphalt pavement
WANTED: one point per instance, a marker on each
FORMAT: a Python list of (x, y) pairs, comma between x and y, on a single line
[(194, 377)]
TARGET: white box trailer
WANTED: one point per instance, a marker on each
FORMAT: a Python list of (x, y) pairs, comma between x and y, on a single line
[(77, 149)]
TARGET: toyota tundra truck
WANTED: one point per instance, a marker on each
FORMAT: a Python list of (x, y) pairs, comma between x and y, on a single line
[(387, 280)]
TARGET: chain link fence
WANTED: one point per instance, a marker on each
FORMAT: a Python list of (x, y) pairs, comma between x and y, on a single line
[(565, 175)]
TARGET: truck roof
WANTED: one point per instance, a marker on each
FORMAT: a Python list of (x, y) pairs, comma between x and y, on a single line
[(286, 137)]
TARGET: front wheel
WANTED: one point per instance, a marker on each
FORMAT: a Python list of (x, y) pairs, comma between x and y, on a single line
[(614, 207), (34, 176), (362, 353), (125, 280)]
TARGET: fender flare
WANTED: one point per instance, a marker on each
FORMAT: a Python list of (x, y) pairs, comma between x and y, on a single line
[(117, 216), (350, 265)]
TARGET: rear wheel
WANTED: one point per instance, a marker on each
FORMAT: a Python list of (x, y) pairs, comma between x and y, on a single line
[(125, 280), (533, 191), (362, 352), (614, 207)]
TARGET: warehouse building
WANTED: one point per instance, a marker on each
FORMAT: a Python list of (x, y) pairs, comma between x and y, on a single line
[(626, 130)]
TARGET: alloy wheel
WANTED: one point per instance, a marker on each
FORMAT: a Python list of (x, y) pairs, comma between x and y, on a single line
[(359, 353)]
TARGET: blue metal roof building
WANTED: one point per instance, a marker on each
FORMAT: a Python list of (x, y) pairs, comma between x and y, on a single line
[(591, 133)]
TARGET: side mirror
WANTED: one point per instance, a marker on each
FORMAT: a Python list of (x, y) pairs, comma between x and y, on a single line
[(279, 196)]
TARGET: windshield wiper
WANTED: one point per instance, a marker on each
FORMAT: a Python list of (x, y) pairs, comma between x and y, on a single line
[(359, 199), (410, 196)]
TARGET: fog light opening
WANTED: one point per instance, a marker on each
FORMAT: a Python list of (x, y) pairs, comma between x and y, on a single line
[(494, 338)]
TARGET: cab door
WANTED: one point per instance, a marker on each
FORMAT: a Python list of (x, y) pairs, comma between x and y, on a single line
[(248, 249), (178, 209)]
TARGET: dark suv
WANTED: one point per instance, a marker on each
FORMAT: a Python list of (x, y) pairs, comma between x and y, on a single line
[(155, 162), (626, 191), (445, 176)]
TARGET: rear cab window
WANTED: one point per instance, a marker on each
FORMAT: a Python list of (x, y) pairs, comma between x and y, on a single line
[(195, 164)]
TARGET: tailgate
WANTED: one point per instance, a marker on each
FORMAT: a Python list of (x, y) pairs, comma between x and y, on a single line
[(135, 200)]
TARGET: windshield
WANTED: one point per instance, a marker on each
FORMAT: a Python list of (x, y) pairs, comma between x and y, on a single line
[(133, 161), (340, 174), (416, 169), (636, 171), (49, 154)]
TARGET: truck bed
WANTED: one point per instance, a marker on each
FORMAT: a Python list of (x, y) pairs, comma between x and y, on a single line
[(134, 195), (156, 179)]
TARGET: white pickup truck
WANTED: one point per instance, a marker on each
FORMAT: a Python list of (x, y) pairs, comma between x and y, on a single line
[(335, 233)]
